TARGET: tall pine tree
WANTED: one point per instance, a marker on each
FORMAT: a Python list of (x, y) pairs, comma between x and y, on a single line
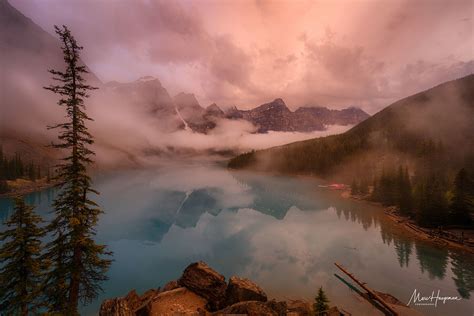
[(78, 264), (21, 269)]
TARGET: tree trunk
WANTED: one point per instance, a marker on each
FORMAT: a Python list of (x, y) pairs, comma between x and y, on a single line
[(24, 310), (75, 281)]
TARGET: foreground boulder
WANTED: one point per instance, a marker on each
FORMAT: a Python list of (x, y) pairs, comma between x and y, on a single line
[(171, 285), (241, 290), (201, 291), (206, 282), (133, 300), (255, 308), (179, 301), (299, 307), (128, 305)]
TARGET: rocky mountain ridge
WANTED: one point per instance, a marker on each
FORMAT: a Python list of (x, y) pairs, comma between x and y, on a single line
[(186, 112), (436, 123), (28, 51)]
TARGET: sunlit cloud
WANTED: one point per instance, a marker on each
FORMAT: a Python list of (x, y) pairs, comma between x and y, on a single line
[(332, 53)]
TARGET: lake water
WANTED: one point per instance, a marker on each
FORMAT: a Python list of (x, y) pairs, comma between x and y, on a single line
[(285, 233)]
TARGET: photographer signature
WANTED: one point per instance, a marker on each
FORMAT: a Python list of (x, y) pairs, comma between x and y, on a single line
[(431, 300)]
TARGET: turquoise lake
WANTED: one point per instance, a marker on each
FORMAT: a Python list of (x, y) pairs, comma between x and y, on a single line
[(285, 233)]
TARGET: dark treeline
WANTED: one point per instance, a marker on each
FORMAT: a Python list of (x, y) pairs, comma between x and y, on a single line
[(17, 168), (416, 167), (318, 156), (434, 193), (429, 196)]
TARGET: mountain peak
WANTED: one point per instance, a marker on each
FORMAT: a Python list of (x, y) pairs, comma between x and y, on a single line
[(214, 110), (186, 100), (276, 105), (279, 101), (8, 11), (147, 79), (182, 96), (213, 107), (15, 25), (147, 82)]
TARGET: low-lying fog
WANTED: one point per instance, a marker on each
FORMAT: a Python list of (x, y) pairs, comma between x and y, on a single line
[(126, 133)]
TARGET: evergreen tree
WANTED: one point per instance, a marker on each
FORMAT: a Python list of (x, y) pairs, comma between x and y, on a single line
[(38, 172), (387, 189), (364, 187), (462, 204), (4, 186), (78, 264), (48, 174), (375, 196), (405, 198), (354, 188), (14, 168), (31, 172), (21, 269), (321, 304), (432, 202), (2, 163)]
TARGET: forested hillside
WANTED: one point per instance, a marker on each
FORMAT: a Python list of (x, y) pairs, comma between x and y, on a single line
[(416, 154), (442, 117)]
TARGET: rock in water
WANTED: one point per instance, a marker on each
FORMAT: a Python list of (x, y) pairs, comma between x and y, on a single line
[(240, 290), (206, 282)]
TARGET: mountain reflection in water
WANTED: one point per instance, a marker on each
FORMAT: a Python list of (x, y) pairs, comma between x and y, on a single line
[(283, 232)]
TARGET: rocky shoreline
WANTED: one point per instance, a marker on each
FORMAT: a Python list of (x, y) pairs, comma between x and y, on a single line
[(439, 237), (23, 187), (444, 238), (202, 291)]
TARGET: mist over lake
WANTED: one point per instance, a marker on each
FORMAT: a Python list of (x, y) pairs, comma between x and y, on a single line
[(283, 232)]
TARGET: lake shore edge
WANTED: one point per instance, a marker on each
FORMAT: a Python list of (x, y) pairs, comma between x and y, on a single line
[(25, 187), (409, 225)]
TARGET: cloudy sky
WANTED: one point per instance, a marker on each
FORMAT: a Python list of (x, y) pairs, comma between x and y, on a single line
[(334, 53)]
